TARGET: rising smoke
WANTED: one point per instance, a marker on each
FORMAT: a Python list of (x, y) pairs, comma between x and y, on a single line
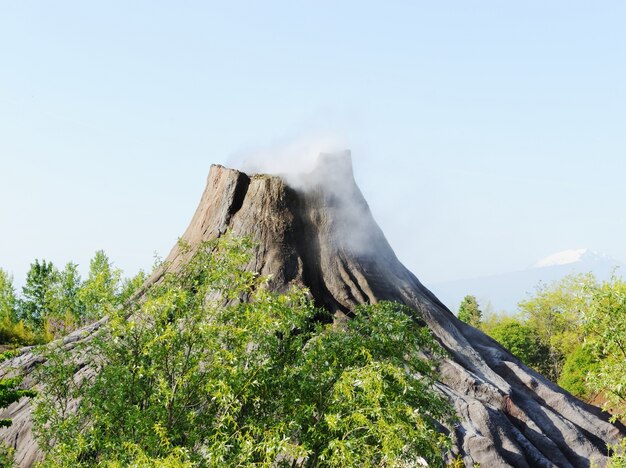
[(290, 158), (320, 167)]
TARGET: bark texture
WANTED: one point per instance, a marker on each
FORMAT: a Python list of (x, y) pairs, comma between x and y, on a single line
[(319, 233)]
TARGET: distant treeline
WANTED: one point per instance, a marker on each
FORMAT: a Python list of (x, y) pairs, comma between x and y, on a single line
[(55, 302), (573, 332)]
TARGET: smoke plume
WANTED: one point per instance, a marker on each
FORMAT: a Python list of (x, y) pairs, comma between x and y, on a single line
[(290, 158)]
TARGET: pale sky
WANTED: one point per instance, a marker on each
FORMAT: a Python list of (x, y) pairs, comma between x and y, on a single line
[(485, 134)]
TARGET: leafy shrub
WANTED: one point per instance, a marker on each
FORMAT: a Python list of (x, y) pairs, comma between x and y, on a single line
[(211, 368), (577, 368)]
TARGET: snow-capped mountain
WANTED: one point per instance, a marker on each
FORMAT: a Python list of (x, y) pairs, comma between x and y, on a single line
[(576, 256), (503, 292)]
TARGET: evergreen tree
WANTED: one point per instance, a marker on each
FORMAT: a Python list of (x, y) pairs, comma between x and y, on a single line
[(469, 312)]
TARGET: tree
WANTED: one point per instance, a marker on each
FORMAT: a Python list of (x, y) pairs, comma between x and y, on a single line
[(197, 375), (12, 331), (555, 313), (573, 331), (37, 293), (131, 285), (66, 308), (521, 340), (99, 293), (8, 301), (69, 285), (604, 323), (577, 368), (469, 312)]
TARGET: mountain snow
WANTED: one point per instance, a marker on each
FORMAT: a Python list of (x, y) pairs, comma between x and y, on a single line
[(561, 258), (567, 257), (502, 292)]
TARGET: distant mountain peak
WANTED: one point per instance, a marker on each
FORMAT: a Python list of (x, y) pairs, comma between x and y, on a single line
[(503, 291), (572, 256), (565, 257)]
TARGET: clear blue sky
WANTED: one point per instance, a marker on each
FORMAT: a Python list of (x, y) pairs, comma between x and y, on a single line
[(485, 134)]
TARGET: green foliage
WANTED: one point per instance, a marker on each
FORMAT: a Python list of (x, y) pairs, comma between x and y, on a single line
[(99, 293), (12, 331), (371, 395), (50, 306), (521, 340), (213, 369), (67, 289), (574, 332), (8, 300), (578, 366), (617, 458), (554, 315), (55, 303), (16, 333), (130, 286), (37, 293), (547, 334), (10, 392), (604, 323), (469, 312), (6, 456), (66, 310)]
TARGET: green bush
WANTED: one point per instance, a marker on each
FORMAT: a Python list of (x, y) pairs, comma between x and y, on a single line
[(196, 375), (522, 341), (16, 333), (578, 366)]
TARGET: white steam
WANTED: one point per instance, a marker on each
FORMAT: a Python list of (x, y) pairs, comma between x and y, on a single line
[(289, 158), (322, 168)]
